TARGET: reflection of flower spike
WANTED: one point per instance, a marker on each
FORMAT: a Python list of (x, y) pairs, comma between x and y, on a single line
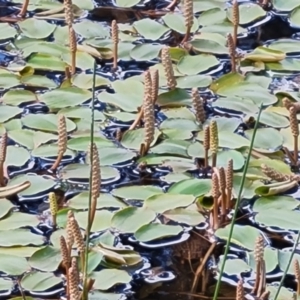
[(62, 140), (214, 141), (154, 85), (115, 39), (188, 18), (53, 207), (198, 106), (206, 145), (168, 68), (149, 118), (3, 149), (231, 49)]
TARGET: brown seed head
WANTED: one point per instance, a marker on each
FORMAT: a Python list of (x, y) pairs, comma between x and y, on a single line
[(214, 137), (235, 13), (64, 252), (215, 186), (206, 140), (229, 175), (53, 204), (68, 6), (168, 68), (188, 13), (114, 32), (3, 147), (259, 249), (62, 134), (294, 122), (155, 85), (198, 106)]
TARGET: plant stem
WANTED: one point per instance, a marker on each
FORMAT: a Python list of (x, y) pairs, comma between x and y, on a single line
[(288, 266), (237, 206), (296, 150), (87, 234), (24, 8), (57, 162)]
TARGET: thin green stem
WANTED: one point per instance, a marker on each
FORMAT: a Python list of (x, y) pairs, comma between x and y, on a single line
[(87, 234), (237, 205), (288, 266)]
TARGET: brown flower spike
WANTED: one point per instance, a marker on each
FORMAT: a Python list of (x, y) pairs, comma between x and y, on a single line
[(65, 260), (149, 117), (240, 295), (231, 48), (229, 183), (206, 145), (215, 193), (95, 184), (295, 132), (62, 140), (214, 141), (3, 149), (260, 281), (154, 85), (69, 17), (235, 21), (297, 275), (198, 106), (115, 39), (73, 49), (74, 290), (168, 68), (188, 18)]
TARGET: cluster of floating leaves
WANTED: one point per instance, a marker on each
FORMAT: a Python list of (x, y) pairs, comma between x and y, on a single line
[(154, 200)]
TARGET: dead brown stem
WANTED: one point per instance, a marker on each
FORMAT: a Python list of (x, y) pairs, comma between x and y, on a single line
[(24, 8)]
